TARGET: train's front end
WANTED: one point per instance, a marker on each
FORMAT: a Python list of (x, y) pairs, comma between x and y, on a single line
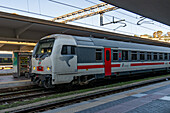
[(42, 63)]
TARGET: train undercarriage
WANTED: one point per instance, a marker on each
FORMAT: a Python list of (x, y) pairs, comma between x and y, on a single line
[(42, 80), (46, 80)]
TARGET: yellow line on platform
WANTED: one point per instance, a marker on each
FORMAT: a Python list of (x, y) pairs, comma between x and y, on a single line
[(15, 81)]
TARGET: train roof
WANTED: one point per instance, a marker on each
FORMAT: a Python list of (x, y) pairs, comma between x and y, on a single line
[(88, 41)]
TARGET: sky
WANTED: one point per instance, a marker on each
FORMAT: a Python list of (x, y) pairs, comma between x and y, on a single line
[(47, 9)]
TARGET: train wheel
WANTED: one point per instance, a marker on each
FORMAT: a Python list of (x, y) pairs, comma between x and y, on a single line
[(48, 83), (34, 79), (40, 83)]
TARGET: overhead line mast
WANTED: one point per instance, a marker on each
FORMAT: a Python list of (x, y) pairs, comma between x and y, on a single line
[(86, 12)]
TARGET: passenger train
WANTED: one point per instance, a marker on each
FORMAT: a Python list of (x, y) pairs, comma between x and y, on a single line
[(59, 59)]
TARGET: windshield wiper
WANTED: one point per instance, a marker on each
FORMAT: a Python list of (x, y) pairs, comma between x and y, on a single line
[(50, 46), (41, 55)]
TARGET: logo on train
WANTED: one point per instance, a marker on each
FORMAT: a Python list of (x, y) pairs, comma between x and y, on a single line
[(122, 64), (39, 62)]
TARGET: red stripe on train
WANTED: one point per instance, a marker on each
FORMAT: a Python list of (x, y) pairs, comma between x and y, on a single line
[(115, 65), (90, 66), (96, 66), (144, 64)]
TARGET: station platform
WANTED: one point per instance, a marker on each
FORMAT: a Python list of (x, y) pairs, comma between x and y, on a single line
[(149, 99), (5, 71), (8, 81)]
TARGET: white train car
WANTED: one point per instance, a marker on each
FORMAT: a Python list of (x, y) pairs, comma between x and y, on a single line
[(60, 59)]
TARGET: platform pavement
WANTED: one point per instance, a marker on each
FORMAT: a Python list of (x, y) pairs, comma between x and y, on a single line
[(9, 81), (6, 72), (149, 99)]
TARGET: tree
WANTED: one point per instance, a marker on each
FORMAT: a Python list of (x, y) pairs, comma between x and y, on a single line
[(168, 34), (159, 33), (155, 35)]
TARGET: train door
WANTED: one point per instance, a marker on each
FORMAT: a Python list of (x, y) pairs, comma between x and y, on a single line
[(107, 55)]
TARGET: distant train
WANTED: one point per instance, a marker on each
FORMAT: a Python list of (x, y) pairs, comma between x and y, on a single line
[(60, 59), (5, 59)]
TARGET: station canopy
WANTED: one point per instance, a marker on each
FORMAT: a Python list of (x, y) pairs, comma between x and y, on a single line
[(154, 9), (14, 27)]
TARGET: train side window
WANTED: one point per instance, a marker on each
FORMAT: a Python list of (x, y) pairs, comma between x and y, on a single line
[(142, 56), (64, 50), (133, 55), (5, 59), (98, 54), (155, 56), (73, 50), (166, 56), (160, 56), (68, 50), (149, 57), (108, 55), (115, 55), (10, 60), (125, 55)]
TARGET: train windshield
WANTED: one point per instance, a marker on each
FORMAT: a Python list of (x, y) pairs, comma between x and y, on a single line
[(44, 48)]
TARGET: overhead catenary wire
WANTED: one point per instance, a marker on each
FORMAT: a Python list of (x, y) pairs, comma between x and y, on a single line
[(104, 28), (69, 6), (128, 15), (137, 18), (39, 5), (54, 17), (65, 4), (105, 14), (115, 10), (28, 5), (82, 8), (132, 23), (29, 12)]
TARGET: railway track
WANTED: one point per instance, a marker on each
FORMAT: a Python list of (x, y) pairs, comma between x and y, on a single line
[(9, 96), (17, 89), (80, 98), (24, 96), (13, 95)]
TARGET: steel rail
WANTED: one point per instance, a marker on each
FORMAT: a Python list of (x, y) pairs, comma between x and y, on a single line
[(22, 97)]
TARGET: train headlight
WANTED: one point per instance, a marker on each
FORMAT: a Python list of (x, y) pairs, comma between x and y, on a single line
[(34, 68), (48, 68)]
